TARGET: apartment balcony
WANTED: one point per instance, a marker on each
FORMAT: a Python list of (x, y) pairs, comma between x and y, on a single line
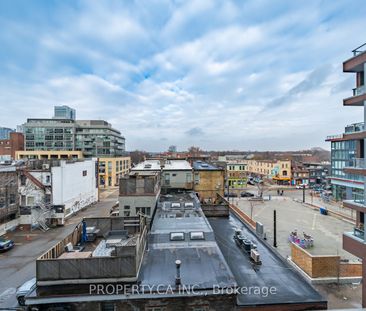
[(356, 62), (355, 128), (358, 98), (354, 242), (356, 167), (357, 205)]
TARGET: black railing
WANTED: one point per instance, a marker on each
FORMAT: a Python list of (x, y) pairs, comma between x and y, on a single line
[(359, 50)]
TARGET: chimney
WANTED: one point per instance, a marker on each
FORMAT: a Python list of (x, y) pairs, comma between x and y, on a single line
[(177, 277)]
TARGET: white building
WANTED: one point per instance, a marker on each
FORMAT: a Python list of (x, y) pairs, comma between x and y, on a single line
[(53, 192)]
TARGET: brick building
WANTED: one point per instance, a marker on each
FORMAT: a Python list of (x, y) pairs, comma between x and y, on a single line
[(8, 147)]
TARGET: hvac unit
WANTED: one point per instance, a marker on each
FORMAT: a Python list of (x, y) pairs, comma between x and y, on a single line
[(254, 254)]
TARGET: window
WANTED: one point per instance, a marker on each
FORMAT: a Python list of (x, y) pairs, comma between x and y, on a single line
[(108, 306), (85, 173), (30, 201), (11, 198), (177, 236), (155, 309), (197, 235), (127, 207)]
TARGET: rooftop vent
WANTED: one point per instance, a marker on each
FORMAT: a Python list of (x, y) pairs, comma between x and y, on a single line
[(175, 205)]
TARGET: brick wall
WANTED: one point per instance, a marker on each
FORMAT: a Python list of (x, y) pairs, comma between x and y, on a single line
[(323, 266)]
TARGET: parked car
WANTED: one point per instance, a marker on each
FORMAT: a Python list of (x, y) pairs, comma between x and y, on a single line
[(231, 194), (301, 186), (246, 194), (24, 289), (6, 244)]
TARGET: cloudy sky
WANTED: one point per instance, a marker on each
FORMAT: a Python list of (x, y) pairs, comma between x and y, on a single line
[(248, 74)]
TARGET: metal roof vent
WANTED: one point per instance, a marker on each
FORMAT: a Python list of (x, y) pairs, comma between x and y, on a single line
[(177, 277)]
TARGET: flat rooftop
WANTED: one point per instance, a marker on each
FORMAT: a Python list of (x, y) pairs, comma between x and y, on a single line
[(203, 166), (176, 165), (203, 264), (274, 272), (148, 165)]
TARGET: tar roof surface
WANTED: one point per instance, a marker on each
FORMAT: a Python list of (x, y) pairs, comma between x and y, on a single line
[(274, 271), (203, 264)]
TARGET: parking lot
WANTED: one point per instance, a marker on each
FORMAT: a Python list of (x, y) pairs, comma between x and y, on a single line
[(326, 230), (18, 265)]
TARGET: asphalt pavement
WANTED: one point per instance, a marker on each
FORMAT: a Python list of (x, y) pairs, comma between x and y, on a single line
[(19, 264)]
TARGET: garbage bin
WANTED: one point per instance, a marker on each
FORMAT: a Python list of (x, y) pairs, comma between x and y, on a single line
[(323, 211)]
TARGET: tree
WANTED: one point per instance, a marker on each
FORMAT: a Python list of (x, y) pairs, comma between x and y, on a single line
[(172, 148)]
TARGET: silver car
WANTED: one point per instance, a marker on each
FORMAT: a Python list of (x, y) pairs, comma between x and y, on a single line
[(24, 289)]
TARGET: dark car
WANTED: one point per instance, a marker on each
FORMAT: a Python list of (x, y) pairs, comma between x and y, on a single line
[(231, 194), (6, 244), (246, 194)]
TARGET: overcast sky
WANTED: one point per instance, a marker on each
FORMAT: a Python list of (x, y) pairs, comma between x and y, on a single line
[(248, 74)]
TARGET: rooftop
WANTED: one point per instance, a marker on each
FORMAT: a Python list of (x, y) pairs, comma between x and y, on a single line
[(176, 165), (203, 166), (148, 165), (181, 231), (275, 272)]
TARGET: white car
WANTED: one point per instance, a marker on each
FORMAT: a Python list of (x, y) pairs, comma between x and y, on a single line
[(301, 186), (24, 289)]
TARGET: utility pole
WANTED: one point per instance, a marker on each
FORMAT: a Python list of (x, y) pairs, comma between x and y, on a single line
[(274, 229), (303, 193)]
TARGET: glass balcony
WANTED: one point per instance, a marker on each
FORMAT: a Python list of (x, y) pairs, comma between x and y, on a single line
[(359, 90), (359, 233), (355, 127), (358, 163)]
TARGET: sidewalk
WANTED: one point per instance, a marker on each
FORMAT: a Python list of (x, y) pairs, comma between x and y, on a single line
[(335, 207)]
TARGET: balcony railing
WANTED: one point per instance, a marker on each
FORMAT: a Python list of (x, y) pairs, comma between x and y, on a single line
[(334, 136), (359, 90), (359, 233), (357, 163), (355, 127), (359, 50)]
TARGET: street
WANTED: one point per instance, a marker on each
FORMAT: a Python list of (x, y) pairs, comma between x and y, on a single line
[(18, 265)]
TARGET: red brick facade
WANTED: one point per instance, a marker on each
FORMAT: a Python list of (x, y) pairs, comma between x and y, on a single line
[(14, 143)]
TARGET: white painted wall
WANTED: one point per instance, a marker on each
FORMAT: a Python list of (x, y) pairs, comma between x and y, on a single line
[(71, 188)]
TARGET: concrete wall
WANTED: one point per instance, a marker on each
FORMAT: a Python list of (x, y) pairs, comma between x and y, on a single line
[(74, 185), (323, 266), (137, 201), (177, 179)]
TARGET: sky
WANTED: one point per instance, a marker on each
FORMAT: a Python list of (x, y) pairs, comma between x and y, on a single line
[(222, 75)]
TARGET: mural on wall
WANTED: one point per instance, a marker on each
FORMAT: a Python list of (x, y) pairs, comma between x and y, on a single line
[(275, 171)]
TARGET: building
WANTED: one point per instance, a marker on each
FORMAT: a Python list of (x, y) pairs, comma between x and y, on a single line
[(177, 174), (53, 190), (64, 112), (184, 262), (344, 149), (8, 147), (300, 175), (48, 155), (318, 174), (179, 271), (138, 194), (5, 132), (353, 162), (112, 169), (237, 172), (95, 138), (277, 170), (209, 181), (9, 202)]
